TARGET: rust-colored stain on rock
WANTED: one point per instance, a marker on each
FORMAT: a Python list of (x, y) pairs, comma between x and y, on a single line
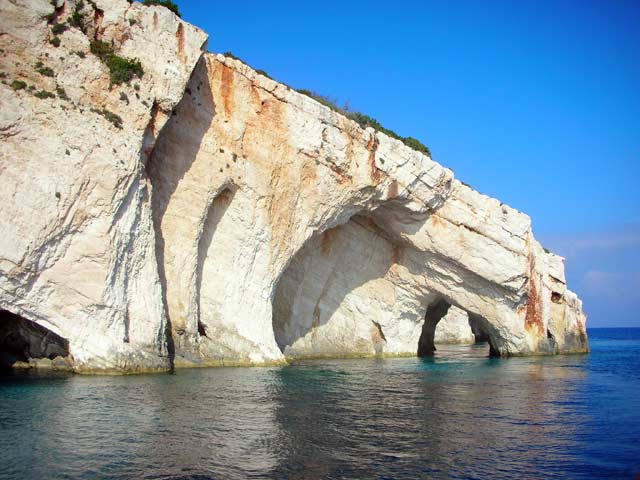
[(372, 147), (533, 316), (180, 39), (226, 89), (436, 221), (223, 198), (373, 226), (393, 189), (98, 17), (256, 100), (309, 176), (376, 335), (341, 176), (151, 128)]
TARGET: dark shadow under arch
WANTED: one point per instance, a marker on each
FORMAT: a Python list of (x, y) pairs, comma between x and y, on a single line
[(482, 331), (287, 327)]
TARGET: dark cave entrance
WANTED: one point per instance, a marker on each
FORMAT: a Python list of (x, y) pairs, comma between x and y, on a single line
[(25, 344), (436, 311)]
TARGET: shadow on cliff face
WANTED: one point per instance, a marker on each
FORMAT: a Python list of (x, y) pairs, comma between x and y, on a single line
[(320, 277), (180, 140), (25, 344), (215, 212)]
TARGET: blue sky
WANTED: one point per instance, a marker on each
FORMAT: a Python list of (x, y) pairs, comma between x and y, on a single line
[(535, 103)]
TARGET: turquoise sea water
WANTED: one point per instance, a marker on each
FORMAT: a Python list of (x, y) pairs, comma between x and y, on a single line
[(458, 415)]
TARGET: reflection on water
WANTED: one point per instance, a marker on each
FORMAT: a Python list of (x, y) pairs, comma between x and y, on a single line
[(457, 415)]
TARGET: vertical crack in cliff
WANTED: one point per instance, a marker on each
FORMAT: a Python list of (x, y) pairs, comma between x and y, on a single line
[(378, 338)]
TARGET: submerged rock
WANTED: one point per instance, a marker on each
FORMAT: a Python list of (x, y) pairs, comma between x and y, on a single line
[(205, 214)]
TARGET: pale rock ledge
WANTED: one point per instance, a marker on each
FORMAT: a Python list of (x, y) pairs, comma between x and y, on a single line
[(239, 222)]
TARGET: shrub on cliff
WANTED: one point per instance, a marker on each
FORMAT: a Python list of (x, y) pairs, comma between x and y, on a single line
[(59, 28), (78, 19), (121, 69), (416, 145), (43, 94), (45, 71), (231, 55), (115, 119), (164, 3), (18, 85), (101, 49)]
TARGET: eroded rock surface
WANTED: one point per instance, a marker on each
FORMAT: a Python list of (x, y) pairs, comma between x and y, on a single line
[(239, 222)]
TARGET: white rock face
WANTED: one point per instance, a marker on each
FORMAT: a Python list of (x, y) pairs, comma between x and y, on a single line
[(78, 254), (286, 228), (250, 225), (454, 328)]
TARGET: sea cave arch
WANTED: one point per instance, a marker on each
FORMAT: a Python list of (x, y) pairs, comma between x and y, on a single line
[(440, 311), (360, 289), (27, 344)]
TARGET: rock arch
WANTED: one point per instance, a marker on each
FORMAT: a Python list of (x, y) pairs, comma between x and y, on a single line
[(476, 329), (337, 239), (358, 289)]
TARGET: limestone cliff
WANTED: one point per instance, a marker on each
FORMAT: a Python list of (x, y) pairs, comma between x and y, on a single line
[(205, 214)]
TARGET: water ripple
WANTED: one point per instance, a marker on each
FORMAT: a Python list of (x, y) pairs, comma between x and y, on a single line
[(458, 415)]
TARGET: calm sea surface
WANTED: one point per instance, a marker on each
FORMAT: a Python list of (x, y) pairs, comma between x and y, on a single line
[(458, 415)]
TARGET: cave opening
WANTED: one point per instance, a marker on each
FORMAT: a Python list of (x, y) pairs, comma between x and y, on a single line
[(479, 333), (26, 344), (447, 325)]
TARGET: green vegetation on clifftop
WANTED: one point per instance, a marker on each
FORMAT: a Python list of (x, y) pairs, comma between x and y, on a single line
[(164, 3), (362, 119), (366, 121)]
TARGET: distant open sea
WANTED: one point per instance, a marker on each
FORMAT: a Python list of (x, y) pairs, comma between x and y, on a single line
[(458, 415)]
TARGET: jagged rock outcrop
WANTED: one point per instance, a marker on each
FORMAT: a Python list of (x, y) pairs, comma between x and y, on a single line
[(240, 222)]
